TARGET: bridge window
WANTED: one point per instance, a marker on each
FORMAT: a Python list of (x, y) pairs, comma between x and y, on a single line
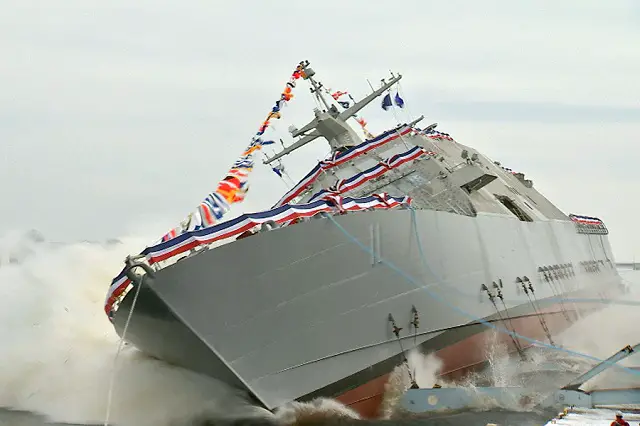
[(513, 208)]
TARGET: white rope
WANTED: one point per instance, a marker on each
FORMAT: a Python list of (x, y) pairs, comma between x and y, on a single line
[(291, 182), (406, 109), (115, 359), (393, 109), (406, 145)]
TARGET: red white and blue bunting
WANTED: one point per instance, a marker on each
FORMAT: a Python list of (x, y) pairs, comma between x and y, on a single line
[(288, 213), (342, 157), (585, 220), (588, 225), (233, 188), (379, 169)]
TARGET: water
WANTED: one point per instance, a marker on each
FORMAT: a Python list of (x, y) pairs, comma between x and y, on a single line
[(58, 348)]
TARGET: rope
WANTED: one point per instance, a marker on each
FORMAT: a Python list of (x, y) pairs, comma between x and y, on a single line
[(396, 331), (492, 298), (415, 322), (556, 293), (537, 311), (407, 109), (604, 250), (513, 328), (115, 359), (554, 299), (472, 317), (406, 145), (393, 111)]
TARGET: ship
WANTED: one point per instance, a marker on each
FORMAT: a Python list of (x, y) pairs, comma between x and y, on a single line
[(403, 240)]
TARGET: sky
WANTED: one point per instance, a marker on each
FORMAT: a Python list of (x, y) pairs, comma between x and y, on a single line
[(119, 117)]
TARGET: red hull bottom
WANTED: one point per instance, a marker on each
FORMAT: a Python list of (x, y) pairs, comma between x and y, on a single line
[(458, 359)]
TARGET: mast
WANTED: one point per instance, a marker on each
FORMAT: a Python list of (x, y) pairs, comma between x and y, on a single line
[(331, 124), (316, 87)]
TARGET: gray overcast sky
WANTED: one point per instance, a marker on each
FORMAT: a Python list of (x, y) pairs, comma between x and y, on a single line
[(119, 116)]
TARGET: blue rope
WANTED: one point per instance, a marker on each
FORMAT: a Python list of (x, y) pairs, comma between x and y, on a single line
[(464, 313), (474, 296)]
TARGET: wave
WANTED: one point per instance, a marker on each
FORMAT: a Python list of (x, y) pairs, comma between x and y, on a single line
[(57, 352)]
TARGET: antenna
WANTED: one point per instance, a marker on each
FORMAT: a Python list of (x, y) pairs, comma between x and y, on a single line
[(316, 90), (370, 85)]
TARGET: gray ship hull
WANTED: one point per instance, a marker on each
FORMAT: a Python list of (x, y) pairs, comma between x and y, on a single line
[(302, 311)]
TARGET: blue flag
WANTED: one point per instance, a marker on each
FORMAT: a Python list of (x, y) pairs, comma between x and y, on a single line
[(399, 100), (386, 102)]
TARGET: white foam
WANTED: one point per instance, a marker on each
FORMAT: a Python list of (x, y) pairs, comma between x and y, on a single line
[(600, 334), (606, 332), (424, 368), (315, 410), (57, 346)]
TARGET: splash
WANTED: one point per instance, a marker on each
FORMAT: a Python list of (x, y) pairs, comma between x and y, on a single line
[(424, 369), (609, 329), (605, 332), (314, 412), (501, 366), (57, 347), (317, 412)]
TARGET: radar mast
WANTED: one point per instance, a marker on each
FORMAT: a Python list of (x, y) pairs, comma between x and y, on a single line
[(330, 124)]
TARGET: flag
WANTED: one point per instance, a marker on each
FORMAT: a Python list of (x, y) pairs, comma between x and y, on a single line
[(233, 188), (338, 94), (399, 101), (278, 169), (386, 102)]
